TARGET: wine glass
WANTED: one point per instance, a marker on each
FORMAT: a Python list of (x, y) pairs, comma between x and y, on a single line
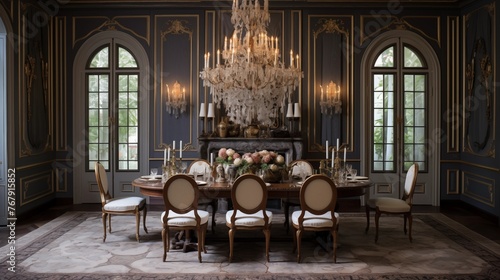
[(348, 168), (154, 172), (353, 173)]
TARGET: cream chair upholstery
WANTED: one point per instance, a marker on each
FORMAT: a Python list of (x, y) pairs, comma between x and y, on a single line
[(297, 166), (180, 195), (118, 206), (318, 197), (249, 197), (200, 166), (389, 205)]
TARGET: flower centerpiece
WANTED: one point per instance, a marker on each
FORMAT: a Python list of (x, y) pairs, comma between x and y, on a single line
[(270, 164)]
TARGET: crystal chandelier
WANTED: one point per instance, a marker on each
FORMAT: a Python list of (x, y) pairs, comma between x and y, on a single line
[(249, 77), (176, 99), (330, 101)]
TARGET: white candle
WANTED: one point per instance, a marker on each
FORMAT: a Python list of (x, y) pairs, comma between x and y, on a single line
[(211, 158), (180, 149), (165, 157), (345, 149), (218, 57), (337, 144), (173, 147), (168, 154), (333, 156), (326, 150)]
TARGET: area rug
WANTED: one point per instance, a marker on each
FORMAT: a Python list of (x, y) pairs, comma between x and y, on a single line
[(71, 247)]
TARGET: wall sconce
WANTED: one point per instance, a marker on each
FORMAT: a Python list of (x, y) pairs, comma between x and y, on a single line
[(330, 101), (176, 100)]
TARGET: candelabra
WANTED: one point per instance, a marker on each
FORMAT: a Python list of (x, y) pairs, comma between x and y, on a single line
[(330, 101), (249, 77), (176, 99)]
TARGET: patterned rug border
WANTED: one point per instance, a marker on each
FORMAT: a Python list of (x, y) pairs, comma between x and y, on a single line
[(32, 242)]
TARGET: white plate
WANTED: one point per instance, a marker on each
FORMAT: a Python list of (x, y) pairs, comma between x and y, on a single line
[(299, 183), (201, 183), (268, 184), (151, 177), (360, 178)]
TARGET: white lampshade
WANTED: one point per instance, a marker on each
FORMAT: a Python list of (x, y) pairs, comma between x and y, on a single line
[(210, 110), (202, 110), (296, 111), (289, 111)]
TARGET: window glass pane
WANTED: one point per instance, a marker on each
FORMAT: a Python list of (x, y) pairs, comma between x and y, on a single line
[(378, 152), (133, 165), (104, 134), (411, 59), (378, 117), (378, 83), (133, 135), (122, 152), (93, 135), (123, 117), (93, 117), (420, 135), (378, 166), (409, 121), (132, 101), (133, 119), (103, 117), (100, 59), (386, 58), (420, 117), (409, 134), (122, 100), (126, 59), (133, 83), (122, 134), (389, 100), (389, 82), (420, 82), (93, 83)]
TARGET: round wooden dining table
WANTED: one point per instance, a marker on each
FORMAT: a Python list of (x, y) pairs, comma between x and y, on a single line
[(154, 188)]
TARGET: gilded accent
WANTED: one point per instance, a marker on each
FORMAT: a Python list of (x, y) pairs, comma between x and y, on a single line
[(331, 24), (453, 89), (26, 182), (176, 27), (111, 24), (401, 23), (449, 175), (479, 182)]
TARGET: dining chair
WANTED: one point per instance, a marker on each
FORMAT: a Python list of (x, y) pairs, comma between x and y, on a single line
[(180, 195), (118, 206), (390, 205), (200, 166), (318, 198), (300, 168), (249, 197)]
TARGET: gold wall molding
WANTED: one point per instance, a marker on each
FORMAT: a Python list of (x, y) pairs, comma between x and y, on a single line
[(479, 92), (319, 26), (42, 179), (453, 89), (171, 30), (57, 46), (400, 23), (475, 184), (35, 120), (119, 23), (453, 181), (468, 163)]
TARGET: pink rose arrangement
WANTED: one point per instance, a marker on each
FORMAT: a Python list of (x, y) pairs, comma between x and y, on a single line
[(252, 162)]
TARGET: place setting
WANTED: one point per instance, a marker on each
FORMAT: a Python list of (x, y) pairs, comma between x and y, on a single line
[(153, 175)]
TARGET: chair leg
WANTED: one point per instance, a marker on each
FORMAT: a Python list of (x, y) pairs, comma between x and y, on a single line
[(164, 236), (104, 217), (144, 212), (267, 234), (200, 241), (377, 216), (214, 211), (334, 234), (405, 217), (410, 221), (286, 209), (298, 234), (137, 223), (367, 210), (294, 240), (231, 240), (205, 227), (109, 222)]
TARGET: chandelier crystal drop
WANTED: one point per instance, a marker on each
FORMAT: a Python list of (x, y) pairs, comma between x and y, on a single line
[(249, 77)]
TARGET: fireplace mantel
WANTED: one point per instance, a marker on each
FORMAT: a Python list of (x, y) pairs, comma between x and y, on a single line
[(291, 147)]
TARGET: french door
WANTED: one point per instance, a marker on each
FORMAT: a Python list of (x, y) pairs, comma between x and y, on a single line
[(400, 121), (113, 119)]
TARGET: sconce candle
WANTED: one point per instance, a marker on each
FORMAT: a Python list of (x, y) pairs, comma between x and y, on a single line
[(330, 101), (180, 150)]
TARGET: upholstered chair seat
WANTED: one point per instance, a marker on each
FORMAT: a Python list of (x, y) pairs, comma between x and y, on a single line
[(311, 220), (187, 219), (124, 204), (250, 220)]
